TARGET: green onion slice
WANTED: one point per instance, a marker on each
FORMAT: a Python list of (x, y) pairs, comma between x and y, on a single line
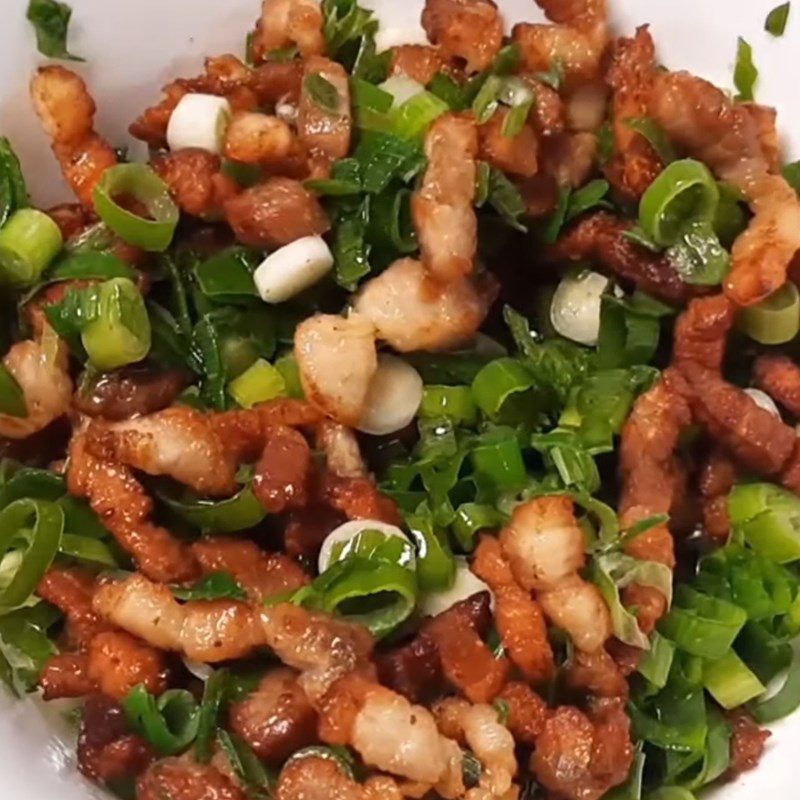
[(214, 696), (455, 403), (237, 513), (775, 320), (34, 528), (436, 567), (120, 333), (142, 184), (684, 192), (787, 699), (730, 682), (168, 723), (29, 241)]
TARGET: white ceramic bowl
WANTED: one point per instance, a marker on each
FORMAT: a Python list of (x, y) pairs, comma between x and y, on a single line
[(132, 47)]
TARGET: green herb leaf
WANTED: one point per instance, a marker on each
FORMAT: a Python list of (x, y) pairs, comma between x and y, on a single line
[(776, 20), (13, 192), (506, 200), (350, 249), (655, 135), (745, 73), (50, 20), (345, 23), (482, 174), (552, 225), (445, 88), (383, 157), (322, 92), (587, 197), (345, 180), (215, 586), (605, 144)]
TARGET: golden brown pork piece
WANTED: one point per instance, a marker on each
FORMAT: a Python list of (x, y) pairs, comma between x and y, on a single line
[(125, 509), (324, 132), (747, 744), (650, 473), (581, 758), (706, 124), (275, 213), (468, 30), (599, 238), (417, 61), (283, 474), (107, 752), (260, 574), (515, 155), (288, 23), (184, 779), (527, 711), (779, 377), (519, 618), (275, 719), (195, 181), (635, 164), (701, 332), (442, 208), (576, 40), (716, 479), (66, 110)]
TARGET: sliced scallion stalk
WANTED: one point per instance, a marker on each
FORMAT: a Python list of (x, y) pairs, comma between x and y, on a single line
[(259, 383), (140, 182), (120, 334), (29, 241), (775, 320), (730, 682)]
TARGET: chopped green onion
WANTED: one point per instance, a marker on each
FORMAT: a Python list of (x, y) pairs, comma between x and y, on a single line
[(87, 549), (472, 518), (498, 382), (214, 693), (776, 20), (551, 226), (436, 567), (50, 20), (791, 173), (506, 200), (345, 180), (376, 594), (120, 334), (290, 372), (455, 403), (227, 277), (25, 645), (656, 663), (516, 118), (730, 219), (624, 623), (775, 320), (702, 625), (38, 544), (497, 461), (655, 135), (322, 92), (413, 118), (367, 95), (508, 60), (140, 182), (12, 398), (674, 719), (168, 723), (587, 197), (471, 769), (670, 793), (246, 766), (745, 73), (383, 156), (698, 257), (730, 682), (390, 222), (237, 513), (445, 88), (488, 98), (29, 241), (787, 699), (259, 383), (684, 192)]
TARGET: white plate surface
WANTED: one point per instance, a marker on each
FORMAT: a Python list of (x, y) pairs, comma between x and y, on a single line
[(135, 46)]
